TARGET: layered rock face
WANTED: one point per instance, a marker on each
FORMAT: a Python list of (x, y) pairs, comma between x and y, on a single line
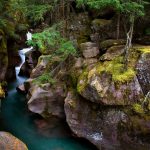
[(96, 99), (106, 127), (9, 142), (101, 89), (143, 68), (47, 101), (92, 91)]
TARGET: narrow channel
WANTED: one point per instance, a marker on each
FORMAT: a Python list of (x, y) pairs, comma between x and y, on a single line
[(31, 128)]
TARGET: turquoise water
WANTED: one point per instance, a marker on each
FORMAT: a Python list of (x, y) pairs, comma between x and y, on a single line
[(33, 130)]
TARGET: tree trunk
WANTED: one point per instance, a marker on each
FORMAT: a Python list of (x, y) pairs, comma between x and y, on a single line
[(118, 26), (128, 43)]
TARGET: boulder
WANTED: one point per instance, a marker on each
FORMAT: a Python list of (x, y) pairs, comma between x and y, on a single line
[(104, 45), (106, 127), (9, 142), (89, 49), (102, 86), (143, 71), (47, 100), (113, 52), (21, 88)]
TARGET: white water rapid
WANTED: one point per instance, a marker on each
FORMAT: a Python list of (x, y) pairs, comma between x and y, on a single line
[(22, 56)]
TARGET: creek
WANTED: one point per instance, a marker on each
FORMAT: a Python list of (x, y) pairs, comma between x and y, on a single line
[(32, 129)]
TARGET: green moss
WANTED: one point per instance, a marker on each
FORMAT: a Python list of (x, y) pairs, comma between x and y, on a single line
[(142, 49), (82, 81), (115, 68), (137, 108)]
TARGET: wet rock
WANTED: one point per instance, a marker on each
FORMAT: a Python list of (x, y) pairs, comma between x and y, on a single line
[(143, 72), (47, 100), (89, 49), (30, 63), (9, 142), (28, 84), (21, 88)]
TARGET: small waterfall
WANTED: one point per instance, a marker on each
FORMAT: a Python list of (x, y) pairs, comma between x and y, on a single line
[(22, 56)]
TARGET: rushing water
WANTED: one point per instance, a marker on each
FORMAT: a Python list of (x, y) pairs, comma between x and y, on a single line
[(32, 129)]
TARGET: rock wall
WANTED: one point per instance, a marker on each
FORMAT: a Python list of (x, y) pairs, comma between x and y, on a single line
[(100, 101)]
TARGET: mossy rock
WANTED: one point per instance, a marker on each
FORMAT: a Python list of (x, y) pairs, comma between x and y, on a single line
[(113, 52), (138, 109), (104, 45), (2, 93), (109, 84), (3, 43), (142, 48)]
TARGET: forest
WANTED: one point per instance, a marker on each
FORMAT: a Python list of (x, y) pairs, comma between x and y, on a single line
[(75, 75)]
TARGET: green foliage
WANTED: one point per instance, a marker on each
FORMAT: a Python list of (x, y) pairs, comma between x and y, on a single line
[(50, 41), (44, 78), (36, 12), (135, 7), (11, 15)]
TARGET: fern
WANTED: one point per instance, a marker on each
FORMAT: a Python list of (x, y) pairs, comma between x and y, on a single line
[(51, 42)]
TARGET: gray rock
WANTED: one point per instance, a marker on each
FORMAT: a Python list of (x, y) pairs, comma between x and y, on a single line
[(100, 88), (89, 49), (143, 72), (21, 88), (107, 128), (47, 101)]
